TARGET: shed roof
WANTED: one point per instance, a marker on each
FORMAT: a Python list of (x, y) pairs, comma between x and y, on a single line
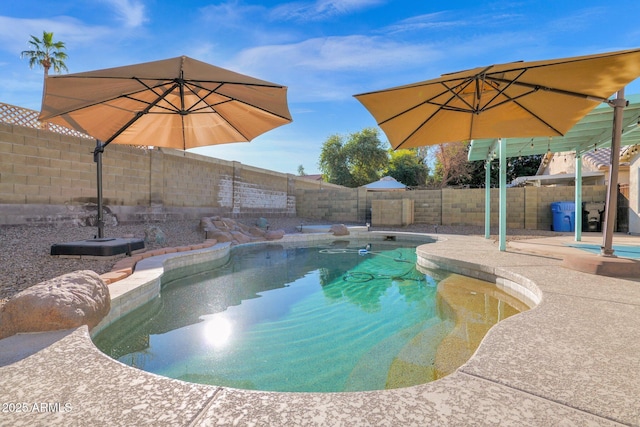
[(386, 183)]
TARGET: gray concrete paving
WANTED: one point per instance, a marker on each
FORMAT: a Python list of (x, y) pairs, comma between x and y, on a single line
[(572, 360)]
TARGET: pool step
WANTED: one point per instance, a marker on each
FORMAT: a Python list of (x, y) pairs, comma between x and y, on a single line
[(371, 372), (415, 363)]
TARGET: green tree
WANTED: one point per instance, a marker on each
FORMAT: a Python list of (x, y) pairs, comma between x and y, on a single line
[(451, 164), (408, 167), (333, 162), (359, 160), (516, 166), (46, 53), (301, 170)]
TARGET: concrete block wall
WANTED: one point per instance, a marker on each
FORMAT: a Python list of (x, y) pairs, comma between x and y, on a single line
[(395, 212), (38, 167), (125, 176), (527, 207), (189, 180), (260, 192), (427, 206), (332, 205), (46, 177)]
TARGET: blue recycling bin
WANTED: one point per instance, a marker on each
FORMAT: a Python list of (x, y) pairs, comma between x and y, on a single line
[(564, 216)]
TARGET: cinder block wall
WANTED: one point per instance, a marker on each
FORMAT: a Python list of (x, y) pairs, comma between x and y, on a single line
[(332, 204), (527, 207), (46, 177)]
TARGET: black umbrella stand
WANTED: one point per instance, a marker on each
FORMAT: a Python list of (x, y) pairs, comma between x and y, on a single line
[(99, 246)]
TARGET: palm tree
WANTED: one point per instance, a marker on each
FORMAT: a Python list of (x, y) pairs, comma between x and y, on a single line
[(46, 53)]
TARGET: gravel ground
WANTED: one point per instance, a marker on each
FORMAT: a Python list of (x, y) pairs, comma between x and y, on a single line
[(25, 258)]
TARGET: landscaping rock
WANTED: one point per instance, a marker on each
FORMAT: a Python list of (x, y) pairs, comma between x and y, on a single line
[(154, 234), (274, 235), (220, 236), (240, 237), (228, 230), (339, 230), (64, 302)]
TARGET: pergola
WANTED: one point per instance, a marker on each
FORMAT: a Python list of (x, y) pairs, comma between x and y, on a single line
[(594, 131)]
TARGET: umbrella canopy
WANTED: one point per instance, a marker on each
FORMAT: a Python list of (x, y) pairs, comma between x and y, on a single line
[(520, 99), (176, 103)]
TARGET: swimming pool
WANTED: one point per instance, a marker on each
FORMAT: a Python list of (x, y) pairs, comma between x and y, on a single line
[(623, 251), (337, 317)]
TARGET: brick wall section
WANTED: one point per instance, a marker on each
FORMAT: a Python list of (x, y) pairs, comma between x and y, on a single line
[(527, 207), (190, 180), (48, 177), (397, 212)]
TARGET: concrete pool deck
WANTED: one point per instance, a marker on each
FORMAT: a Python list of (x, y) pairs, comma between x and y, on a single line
[(571, 360)]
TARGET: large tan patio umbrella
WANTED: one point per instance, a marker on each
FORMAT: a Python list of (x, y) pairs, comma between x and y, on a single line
[(178, 103), (519, 99)]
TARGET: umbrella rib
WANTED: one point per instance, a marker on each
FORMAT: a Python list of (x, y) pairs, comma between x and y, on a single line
[(230, 99), (175, 82), (200, 98), (515, 82), (441, 106), (137, 116), (456, 94), (128, 96), (554, 90), (233, 126), (501, 91)]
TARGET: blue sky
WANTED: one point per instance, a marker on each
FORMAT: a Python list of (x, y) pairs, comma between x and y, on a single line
[(325, 51)]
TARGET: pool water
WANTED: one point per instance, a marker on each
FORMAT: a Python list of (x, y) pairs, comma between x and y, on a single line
[(623, 251), (340, 317)]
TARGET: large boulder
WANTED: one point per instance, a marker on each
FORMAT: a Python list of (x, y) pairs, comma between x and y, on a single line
[(220, 236), (274, 235), (240, 237), (64, 302), (229, 230), (339, 230)]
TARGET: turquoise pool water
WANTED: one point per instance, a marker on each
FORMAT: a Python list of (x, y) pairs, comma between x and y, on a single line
[(622, 251), (275, 318)]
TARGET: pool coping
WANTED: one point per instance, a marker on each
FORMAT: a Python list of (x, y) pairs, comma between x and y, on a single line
[(572, 359)]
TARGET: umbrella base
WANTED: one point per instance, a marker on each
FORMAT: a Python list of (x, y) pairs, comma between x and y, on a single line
[(603, 265), (105, 247)]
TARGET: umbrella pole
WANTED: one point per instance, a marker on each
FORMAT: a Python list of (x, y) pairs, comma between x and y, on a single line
[(612, 191), (578, 198), (97, 158), (503, 196), (487, 199)]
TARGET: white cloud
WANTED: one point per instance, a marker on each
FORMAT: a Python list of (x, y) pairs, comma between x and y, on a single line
[(320, 9), (332, 68), (336, 54), (230, 14), (430, 21), (16, 32), (131, 12)]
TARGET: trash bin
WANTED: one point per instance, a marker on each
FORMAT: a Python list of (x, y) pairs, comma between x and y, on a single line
[(592, 216), (564, 216)]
